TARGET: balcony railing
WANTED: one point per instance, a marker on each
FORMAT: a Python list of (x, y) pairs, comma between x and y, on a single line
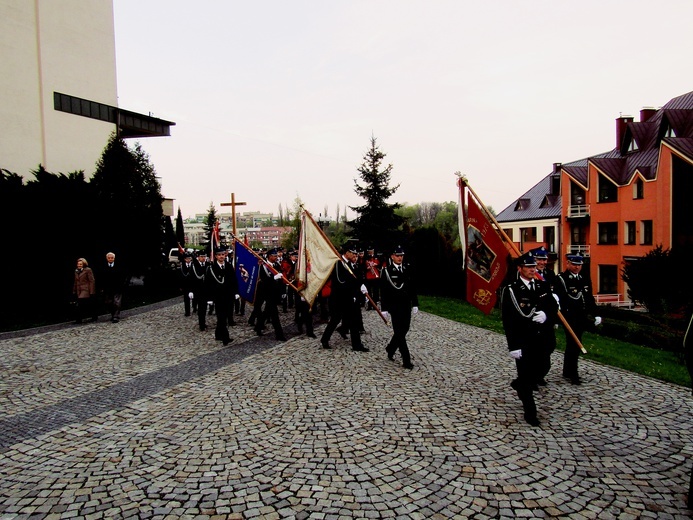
[(579, 210), (578, 249)]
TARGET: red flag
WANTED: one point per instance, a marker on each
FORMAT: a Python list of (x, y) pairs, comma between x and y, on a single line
[(485, 255), (214, 241)]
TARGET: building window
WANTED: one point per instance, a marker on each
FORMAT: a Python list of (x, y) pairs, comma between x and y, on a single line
[(550, 238), (608, 279), (646, 232), (608, 233), (638, 189), (578, 235), (629, 232), (608, 191), (509, 232), (577, 195), (528, 234)]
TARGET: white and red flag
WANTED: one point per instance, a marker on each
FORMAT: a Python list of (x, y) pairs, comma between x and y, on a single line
[(316, 259)]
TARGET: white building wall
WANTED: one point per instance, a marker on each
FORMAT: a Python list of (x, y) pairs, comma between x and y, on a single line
[(48, 46)]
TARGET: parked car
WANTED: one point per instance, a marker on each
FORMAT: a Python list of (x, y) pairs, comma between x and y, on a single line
[(174, 257)]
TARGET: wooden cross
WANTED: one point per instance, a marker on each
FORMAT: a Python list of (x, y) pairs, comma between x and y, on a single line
[(233, 205)]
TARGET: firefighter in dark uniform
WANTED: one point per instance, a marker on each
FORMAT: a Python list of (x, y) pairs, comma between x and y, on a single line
[(529, 310), (344, 301), (186, 279), (398, 302), (269, 290), (541, 255), (579, 309), (199, 268), (221, 286)]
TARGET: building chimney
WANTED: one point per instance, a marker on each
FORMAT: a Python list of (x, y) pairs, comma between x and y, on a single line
[(621, 124), (646, 113), (557, 167)]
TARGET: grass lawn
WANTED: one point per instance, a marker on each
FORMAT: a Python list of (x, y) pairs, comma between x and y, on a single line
[(658, 364)]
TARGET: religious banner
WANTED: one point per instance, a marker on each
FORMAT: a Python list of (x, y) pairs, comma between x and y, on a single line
[(316, 259), (485, 254), (247, 271)]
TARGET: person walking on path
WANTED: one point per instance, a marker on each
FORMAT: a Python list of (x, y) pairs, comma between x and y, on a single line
[(344, 303), (578, 308), (529, 310), (112, 282), (398, 302), (84, 289)]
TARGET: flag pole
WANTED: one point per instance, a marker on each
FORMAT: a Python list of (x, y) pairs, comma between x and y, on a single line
[(368, 296), (265, 262), (461, 183)]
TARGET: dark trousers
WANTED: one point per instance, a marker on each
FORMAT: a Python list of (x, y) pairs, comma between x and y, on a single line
[(186, 302), (401, 320), (529, 367), (113, 302), (224, 308), (373, 287), (86, 307), (270, 314), (343, 312), (303, 316)]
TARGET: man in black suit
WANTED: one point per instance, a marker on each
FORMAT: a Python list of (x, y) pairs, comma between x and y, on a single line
[(112, 282), (344, 301), (399, 302), (529, 310), (269, 290), (221, 286)]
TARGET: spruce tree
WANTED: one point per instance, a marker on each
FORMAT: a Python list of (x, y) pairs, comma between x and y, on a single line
[(180, 229), (129, 197), (377, 224), (209, 226)]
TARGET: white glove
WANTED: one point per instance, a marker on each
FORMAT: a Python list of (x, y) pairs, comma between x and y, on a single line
[(303, 299), (278, 276), (539, 317), (414, 310), (516, 354), (210, 303), (238, 296), (597, 321), (191, 295), (386, 315), (558, 300), (363, 289)]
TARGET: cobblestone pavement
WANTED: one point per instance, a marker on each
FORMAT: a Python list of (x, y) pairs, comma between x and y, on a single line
[(150, 418)]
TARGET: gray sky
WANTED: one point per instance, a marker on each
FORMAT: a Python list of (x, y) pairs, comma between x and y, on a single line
[(275, 100)]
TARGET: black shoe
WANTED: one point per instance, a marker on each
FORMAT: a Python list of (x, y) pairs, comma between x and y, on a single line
[(532, 420), (574, 379), (232, 323), (115, 320), (311, 335), (362, 331), (187, 314), (391, 357), (360, 348), (227, 341), (202, 329), (251, 321), (258, 331), (408, 366), (280, 337), (343, 334), (324, 344), (514, 385)]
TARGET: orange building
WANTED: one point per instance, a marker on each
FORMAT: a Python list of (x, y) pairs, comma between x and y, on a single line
[(623, 203)]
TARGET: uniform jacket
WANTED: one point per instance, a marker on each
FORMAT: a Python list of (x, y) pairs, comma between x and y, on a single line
[(185, 274), (220, 284), (111, 279), (84, 285), (518, 304), (577, 300), (344, 285), (397, 291)]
